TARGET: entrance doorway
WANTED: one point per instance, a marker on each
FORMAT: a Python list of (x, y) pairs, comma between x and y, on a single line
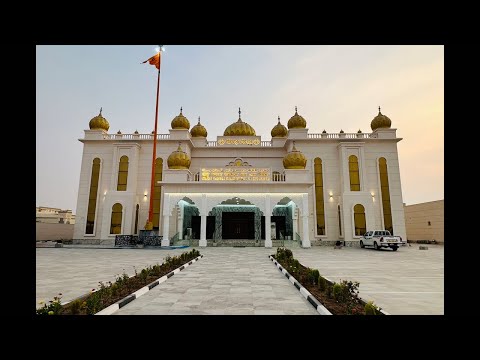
[(238, 225)]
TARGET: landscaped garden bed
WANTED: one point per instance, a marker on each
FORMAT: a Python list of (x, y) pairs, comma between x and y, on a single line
[(109, 293), (339, 298)]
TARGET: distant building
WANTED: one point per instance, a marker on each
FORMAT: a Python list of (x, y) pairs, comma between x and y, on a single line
[(424, 221), (54, 215)]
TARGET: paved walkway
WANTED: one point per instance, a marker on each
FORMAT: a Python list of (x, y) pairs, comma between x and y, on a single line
[(226, 281)]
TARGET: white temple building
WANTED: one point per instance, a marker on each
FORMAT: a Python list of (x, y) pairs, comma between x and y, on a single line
[(313, 188)]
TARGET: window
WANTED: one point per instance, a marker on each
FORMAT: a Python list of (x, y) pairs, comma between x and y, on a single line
[(92, 197), (359, 219), (136, 218), (319, 196), (339, 221), (116, 223), (157, 192), (387, 209), (122, 174), (354, 173)]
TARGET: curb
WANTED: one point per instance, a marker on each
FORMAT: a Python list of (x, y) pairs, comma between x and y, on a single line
[(322, 310), (129, 298)]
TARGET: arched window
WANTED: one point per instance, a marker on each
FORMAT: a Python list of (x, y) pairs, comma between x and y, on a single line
[(387, 209), (354, 173), (157, 192), (359, 219), (122, 174), (92, 197), (136, 218), (116, 223), (339, 221), (319, 196)]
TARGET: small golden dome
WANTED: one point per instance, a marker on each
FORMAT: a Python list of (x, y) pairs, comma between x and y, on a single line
[(297, 121), (178, 159), (294, 159), (380, 121), (136, 132), (239, 128), (99, 122), (180, 122), (199, 130), (342, 132), (279, 130), (324, 131), (359, 131), (119, 132)]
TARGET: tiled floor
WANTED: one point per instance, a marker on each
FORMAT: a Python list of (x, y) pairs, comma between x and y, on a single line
[(244, 280)]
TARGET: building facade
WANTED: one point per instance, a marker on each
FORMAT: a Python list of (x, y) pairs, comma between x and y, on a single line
[(424, 221), (45, 214), (315, 188)]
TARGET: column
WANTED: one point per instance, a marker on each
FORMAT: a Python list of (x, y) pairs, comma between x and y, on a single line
[(180, 217), (166, 220), (306, 234), (203, 222), (268, 230)]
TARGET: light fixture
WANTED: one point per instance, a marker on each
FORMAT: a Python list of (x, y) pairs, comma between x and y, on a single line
[(331, 195)]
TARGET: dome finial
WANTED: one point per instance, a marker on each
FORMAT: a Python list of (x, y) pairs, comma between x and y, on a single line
[(199, 120), (294, 148), (296, 110), (379, 110), (239, 113), (181, 109), (279, 119), (179, 146), (100, 112)]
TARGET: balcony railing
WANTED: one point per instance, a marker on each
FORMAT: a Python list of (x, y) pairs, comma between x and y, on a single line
[(340, 136), (135, 136)]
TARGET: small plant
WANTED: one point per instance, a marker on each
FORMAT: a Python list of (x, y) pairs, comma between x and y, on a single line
[(312, 276), (53, 308), (322, 283), (329, 291), (371, 309), (338, 292)]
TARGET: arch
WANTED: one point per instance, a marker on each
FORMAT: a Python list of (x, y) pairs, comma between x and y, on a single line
[(116, 220), (385, 190), (354, 173), (157, 193), (122, 174), (359, 220), (92, 197), (136, 218), (319, 202), (285, 209)]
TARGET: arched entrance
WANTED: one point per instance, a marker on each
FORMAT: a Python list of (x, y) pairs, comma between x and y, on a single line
[(236, 219), (284, 220)]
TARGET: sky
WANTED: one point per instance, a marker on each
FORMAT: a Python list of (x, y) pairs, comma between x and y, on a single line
[(334, 87)]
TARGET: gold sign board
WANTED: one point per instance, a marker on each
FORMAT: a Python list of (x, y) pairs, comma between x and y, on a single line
[(236, 174), (238, 142)]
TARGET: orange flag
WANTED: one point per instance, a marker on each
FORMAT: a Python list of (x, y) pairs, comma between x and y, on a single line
[(154, 60)]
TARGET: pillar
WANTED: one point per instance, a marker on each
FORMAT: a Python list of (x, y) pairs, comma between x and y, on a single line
[(268, 230), (166, 220), (306, 233), (203, 222)]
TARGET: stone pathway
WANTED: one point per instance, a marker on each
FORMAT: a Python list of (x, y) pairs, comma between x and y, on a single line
[(226, 281)]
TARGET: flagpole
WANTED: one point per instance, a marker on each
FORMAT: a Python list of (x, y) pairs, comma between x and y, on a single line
[(154, 154)]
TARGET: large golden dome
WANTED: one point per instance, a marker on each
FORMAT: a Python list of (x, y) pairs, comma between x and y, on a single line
[(297, 121), (180, 122), (179, 159), (380, 121), (279, 130), (198, 130), (239, 128), (99, 122), (294, 159)]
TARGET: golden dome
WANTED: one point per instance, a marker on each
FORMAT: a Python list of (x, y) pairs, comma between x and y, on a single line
[(180, 122), (294, 159), (279, 130), (178, 159), (297, 121), (99, 122), (198, 130), (380, 121), (239, 128)]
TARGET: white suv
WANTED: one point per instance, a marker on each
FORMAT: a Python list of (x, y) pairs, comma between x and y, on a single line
[(381, 238)]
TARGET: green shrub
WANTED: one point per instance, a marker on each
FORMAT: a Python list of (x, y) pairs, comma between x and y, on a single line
[(312, 276), (339, 292), (371, 309), (328, 290), (322, 283)]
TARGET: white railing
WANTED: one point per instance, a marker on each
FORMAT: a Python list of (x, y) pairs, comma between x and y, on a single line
[(212, 143), (135, 136), (278, 177), (275, 176), (340, 136), (266, 143)]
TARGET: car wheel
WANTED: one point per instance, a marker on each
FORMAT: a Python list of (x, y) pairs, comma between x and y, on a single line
[(361, 244), (375, 246), (394, 248)]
